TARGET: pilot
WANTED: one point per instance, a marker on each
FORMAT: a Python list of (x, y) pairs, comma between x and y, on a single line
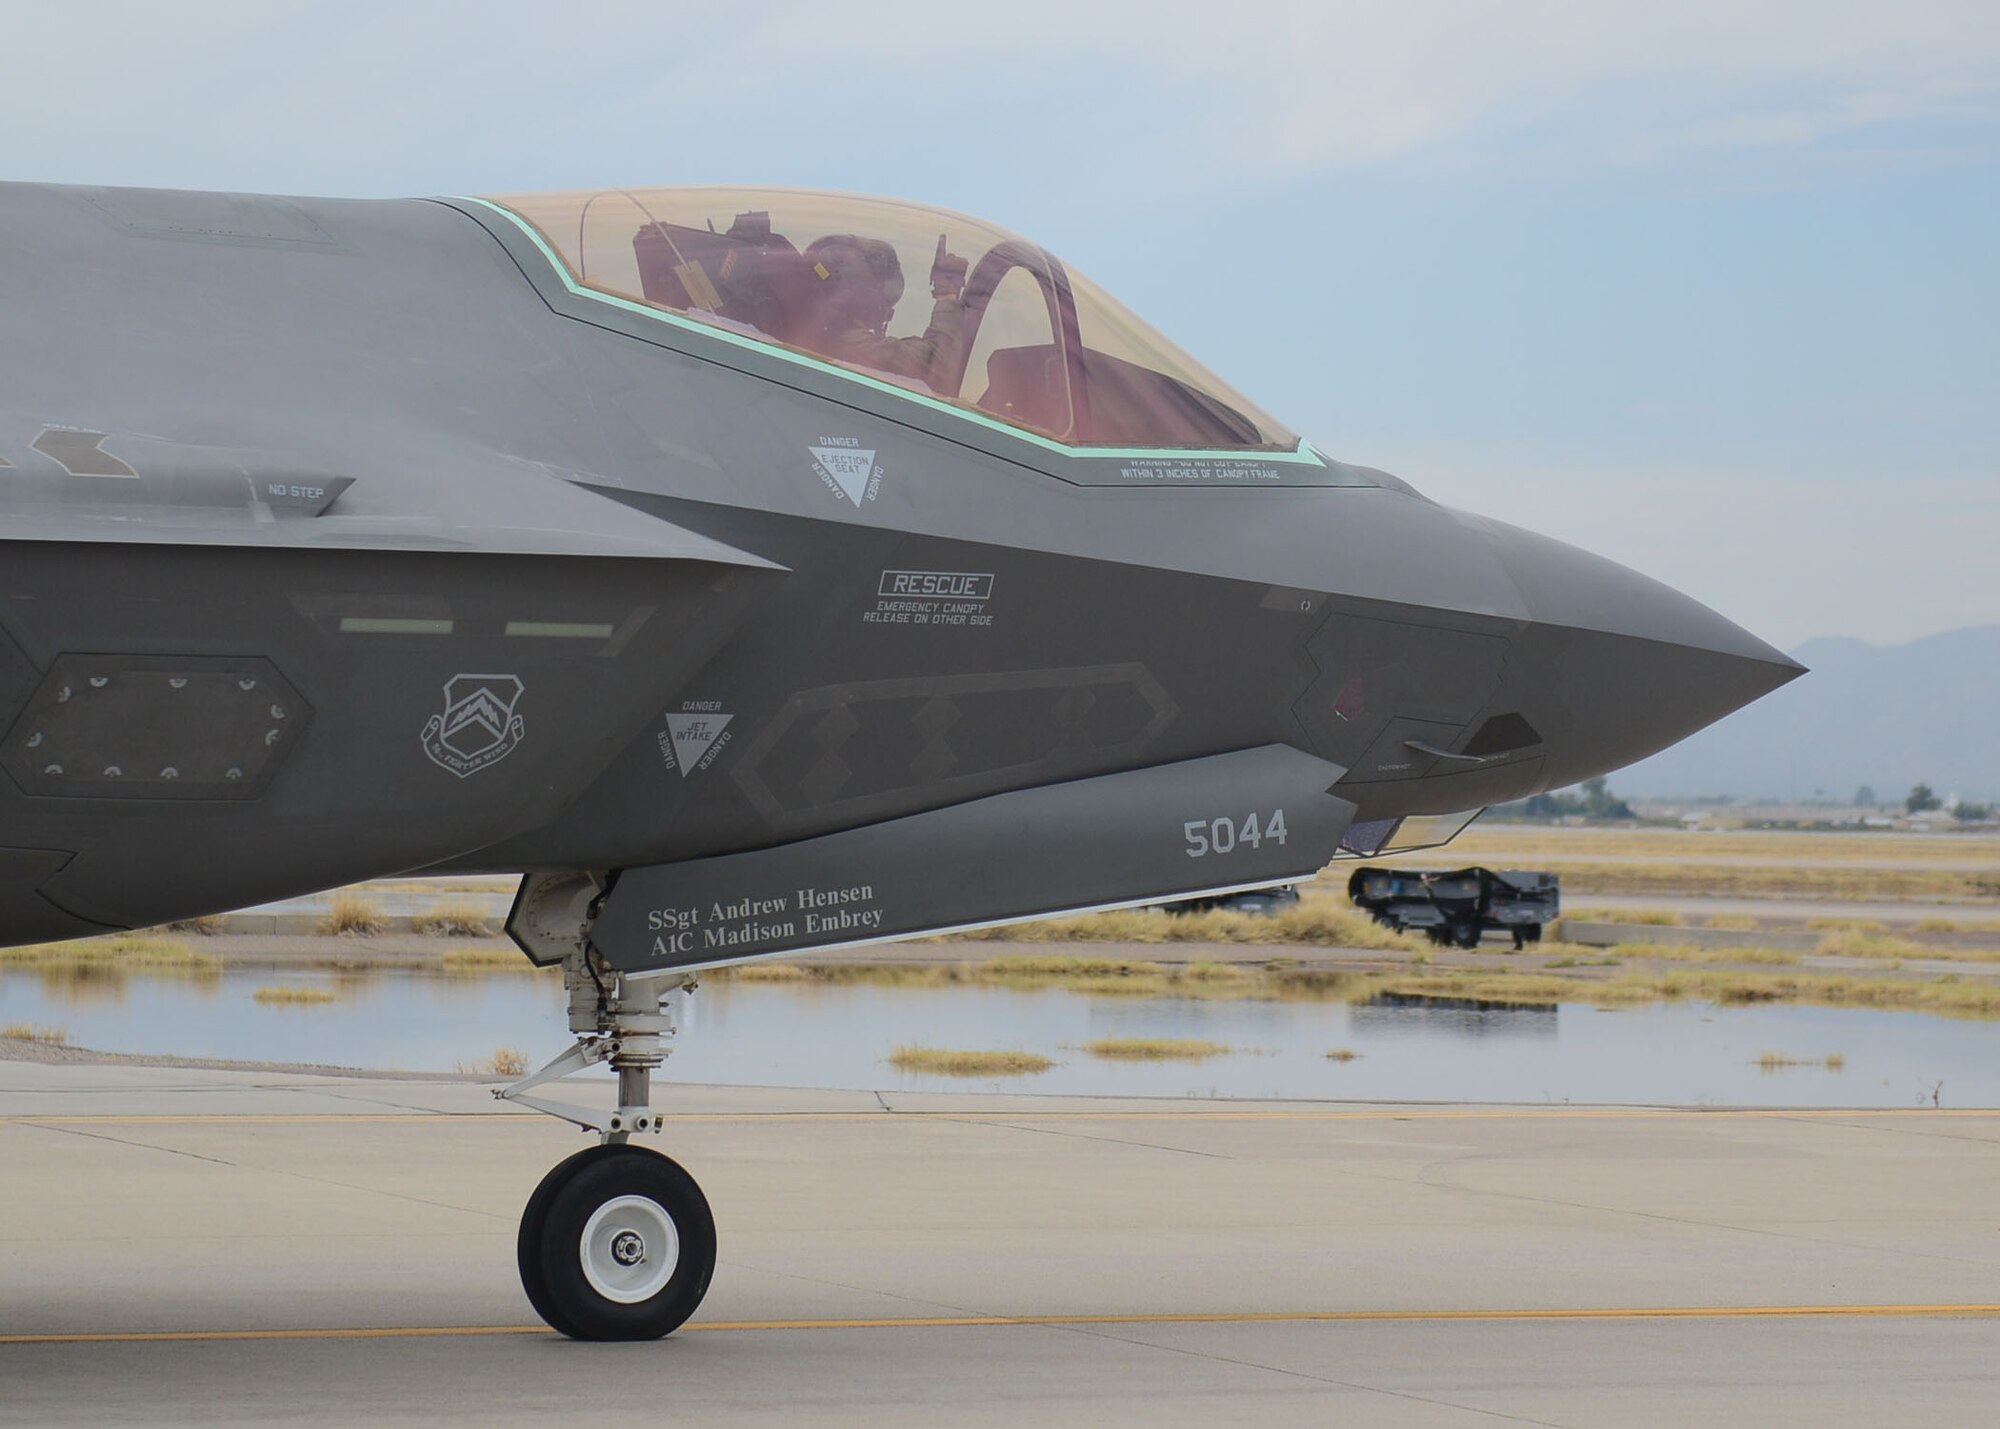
[(859, 282)]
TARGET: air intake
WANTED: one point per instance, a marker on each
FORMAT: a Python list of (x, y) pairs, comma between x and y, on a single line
[(1502, 734)]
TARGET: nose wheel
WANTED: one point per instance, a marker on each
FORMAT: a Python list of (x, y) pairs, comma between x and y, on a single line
[(617, 1243)]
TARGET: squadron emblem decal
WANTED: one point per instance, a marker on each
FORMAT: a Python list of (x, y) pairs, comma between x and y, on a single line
[(478, 726)]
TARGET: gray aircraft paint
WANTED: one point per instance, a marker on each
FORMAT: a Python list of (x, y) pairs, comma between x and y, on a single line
[(380, 450), (1232, 821)]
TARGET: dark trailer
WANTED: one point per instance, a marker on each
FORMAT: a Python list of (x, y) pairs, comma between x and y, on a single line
[(1457, 906)]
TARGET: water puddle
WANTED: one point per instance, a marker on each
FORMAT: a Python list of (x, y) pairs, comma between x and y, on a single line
[(782, 1034)]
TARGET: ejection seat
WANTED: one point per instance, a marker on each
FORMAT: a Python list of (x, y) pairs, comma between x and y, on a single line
[(748, 275)]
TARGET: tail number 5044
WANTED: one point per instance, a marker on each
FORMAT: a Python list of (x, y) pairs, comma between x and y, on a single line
[(1226, 835)]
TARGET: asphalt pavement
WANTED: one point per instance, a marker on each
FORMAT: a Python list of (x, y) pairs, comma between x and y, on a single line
[(235, 1247)]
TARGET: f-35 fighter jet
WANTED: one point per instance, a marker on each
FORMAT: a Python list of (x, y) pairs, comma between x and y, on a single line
[(757, 571)]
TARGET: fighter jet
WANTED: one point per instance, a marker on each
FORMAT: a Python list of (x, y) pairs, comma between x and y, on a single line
[(754, 571)]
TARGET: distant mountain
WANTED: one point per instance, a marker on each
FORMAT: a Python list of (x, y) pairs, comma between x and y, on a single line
[(1887, 716)]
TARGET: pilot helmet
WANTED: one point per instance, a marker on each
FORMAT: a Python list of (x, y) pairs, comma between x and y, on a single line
[(862, 279)]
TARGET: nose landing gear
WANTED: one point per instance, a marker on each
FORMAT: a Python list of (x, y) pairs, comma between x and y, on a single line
[(617, 1242)]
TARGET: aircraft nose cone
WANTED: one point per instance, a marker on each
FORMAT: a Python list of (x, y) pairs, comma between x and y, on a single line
[(1616, 665)]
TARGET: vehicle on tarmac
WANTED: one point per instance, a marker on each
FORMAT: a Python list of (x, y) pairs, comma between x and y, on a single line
[(1458, 907), (1258, 902), (755, 572)]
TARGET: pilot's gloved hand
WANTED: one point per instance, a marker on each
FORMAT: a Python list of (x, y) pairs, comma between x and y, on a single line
[(947, 273)]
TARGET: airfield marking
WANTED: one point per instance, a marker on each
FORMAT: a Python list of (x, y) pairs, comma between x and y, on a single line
[(939, 1322), (1554, 1113)]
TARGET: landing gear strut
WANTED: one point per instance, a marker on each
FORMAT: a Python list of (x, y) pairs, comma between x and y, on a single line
[(617, 1243)]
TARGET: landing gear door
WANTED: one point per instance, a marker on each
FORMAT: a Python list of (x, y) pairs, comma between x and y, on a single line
[(1250, 819)]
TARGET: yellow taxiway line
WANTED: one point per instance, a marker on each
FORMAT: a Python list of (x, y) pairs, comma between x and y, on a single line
[(1421, 1113), (935, 1322)]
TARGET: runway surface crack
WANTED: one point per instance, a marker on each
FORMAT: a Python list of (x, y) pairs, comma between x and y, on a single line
[(136, 1145)]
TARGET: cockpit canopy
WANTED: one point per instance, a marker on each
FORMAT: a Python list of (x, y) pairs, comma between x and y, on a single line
[(937, 303)]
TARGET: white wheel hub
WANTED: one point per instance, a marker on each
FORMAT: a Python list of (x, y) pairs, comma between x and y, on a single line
[(629, 1249)]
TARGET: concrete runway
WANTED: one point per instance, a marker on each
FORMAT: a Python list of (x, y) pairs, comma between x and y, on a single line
[(230, 1247)]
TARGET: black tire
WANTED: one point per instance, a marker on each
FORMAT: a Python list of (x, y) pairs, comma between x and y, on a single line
[(595, 1179), (1465, 934), (528, 1244)]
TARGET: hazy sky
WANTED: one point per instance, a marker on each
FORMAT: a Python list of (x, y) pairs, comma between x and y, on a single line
[(1708, 287)]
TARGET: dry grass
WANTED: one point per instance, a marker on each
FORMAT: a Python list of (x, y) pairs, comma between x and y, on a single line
[(1779, 1061), (502, 1062), (1101, 976), (1518, 845), (27, 1032), (947, 1062), (1065, 965), (1343, 1054), (1731, 923), (1317, 922), (487, 960), (767, 972), (295, 996), (1120, 976), (846, 974), (1688, 953), (1645, 917), (1722, 987), (1845, 925), (1945, 997), (1154, 1049), (351, 915), (206, 925), (121, 952), (1531, 989), (1832, 882), (1825, 865), (1864, 943), (453, 920)]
